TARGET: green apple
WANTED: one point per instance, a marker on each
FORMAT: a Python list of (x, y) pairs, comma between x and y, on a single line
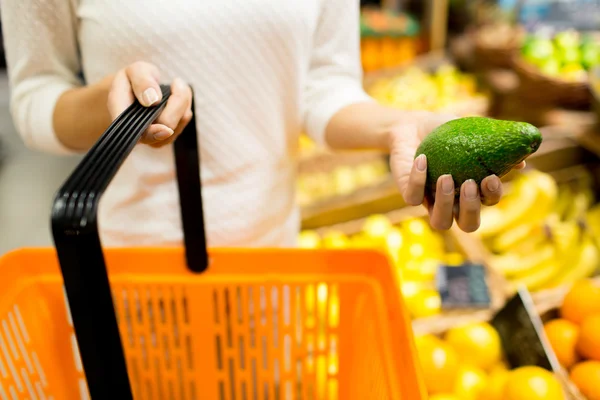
[(567, 39), (569, 55), (538, 50), (550, 67), (590, 54)]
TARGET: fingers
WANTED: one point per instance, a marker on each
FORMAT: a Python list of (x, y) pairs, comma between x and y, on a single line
[(120, 96), (178, 104), (187, 117), (415, 190), (491, 190), (470, 207), (144, 78), (442, 215), (139, 80), (156, 133), (521, 165)]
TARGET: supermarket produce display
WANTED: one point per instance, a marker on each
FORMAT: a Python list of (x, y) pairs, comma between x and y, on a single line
[(508, 312), (567, 55), (467, 363), (543, 233), (443, 88)]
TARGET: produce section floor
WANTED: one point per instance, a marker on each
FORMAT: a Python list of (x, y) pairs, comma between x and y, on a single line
[(28, 181)]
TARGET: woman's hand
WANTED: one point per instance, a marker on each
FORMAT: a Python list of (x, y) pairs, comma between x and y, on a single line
[(141, 80), (410, 175)]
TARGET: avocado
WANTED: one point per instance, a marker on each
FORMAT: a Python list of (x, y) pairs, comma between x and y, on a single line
[(476, 147)]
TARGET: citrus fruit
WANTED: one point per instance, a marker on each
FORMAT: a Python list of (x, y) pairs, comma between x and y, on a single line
[(586, 376), (477, 344), (377, 226), (532, 383), (425, 303), (309, 240), (588, 344), (470, 382), (582, 300), (335, 240), (494, 390), (563, 335), (439, 364)]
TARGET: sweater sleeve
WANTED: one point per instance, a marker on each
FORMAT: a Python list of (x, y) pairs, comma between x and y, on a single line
[(335, 71), (42, 63)]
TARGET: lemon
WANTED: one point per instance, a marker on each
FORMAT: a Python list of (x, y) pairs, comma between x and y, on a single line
[(377, 226), (477, 343), (425, 303), (335, 240), (470, 382), (439, 364), (309, 240)]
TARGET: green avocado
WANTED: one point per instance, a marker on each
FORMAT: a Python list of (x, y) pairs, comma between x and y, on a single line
[(476, 147)]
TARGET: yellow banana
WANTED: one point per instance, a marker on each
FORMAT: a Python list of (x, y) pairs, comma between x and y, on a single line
[(582, 265), (512, 237), (512, 265), (514, 208), (540, 278)]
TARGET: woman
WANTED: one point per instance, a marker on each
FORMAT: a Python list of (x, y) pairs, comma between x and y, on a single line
[(262, 71)]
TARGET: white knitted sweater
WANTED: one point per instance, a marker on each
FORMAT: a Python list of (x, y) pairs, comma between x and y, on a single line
[(262, 70)]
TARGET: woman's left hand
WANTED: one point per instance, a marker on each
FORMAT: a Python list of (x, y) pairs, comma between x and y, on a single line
[(410, 174)]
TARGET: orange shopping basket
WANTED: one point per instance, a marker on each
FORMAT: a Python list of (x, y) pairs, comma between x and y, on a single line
[(80, 322)]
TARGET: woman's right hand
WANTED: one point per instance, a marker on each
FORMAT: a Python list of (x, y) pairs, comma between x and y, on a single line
[(140, 81)]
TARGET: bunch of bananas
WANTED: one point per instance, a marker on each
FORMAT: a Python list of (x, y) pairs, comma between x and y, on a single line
[(543, 234), (416, 89), (412, 246)]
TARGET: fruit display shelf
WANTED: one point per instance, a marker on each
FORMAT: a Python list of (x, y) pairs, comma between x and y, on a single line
[(545, 232), (417, 252), (559, 150), (387, 38), (472, 359), (432, 83), (553, 70)]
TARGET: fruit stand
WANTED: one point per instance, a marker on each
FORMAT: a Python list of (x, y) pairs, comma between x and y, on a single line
[(541, 241)]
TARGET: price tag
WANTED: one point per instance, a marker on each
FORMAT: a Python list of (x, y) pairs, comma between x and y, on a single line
[(463, 286), (522, 333)]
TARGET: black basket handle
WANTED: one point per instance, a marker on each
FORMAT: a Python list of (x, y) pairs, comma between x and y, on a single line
[(79, 250)]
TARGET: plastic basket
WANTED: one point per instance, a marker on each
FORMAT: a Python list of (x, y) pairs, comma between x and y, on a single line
[(80, 322)]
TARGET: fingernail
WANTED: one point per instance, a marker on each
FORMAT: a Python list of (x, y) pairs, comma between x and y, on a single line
[(150, 97), (447, 184), (470, 189), (493, 183), (163, 134), (421, 162)]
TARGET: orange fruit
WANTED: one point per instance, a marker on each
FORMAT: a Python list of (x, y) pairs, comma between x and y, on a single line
[(470, 382), (476, 343), (582, 300), (532, 383), (563, 335), (439, 364), (588, 344), (586, 376)]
